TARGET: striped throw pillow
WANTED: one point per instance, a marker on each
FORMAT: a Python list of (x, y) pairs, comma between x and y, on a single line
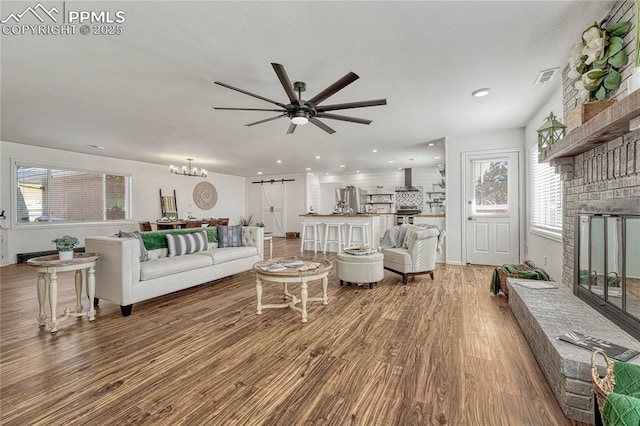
[(186, 243)]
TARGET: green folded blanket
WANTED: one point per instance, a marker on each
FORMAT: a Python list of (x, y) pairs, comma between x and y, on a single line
[(495, 282), (622, 406), (529, 274)]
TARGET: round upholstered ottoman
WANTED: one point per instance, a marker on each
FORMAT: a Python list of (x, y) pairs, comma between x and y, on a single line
[(360, 269)]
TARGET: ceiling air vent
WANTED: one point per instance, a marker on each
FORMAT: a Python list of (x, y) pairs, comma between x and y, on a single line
[(546, 75)]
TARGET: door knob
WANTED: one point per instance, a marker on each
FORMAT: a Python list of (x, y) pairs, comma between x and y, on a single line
[(471, 218)]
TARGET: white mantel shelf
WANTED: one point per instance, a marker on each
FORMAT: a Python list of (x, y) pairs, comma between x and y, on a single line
[(611, 123)]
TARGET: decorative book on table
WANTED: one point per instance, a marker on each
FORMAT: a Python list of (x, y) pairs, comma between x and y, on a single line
[(591, 343), (282, 265), (272, 267)]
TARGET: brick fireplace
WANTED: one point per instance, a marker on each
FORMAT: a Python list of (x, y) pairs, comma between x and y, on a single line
[(601, 181), (599, 164)]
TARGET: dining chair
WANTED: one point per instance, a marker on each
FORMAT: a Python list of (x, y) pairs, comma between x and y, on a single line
[(145, 226)]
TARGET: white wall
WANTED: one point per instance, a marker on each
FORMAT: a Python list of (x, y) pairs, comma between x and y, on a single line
[(537, 247), (147, 179), (313, 193), (295, 199), (328, 196), (455, 147)]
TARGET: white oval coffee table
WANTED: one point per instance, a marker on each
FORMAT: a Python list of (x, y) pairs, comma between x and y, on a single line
[(298, 274)]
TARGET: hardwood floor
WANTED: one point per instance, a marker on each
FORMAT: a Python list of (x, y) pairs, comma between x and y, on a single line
[(432, 352)]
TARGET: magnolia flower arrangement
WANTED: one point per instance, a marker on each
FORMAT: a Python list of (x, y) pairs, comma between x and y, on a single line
[(594, 62)]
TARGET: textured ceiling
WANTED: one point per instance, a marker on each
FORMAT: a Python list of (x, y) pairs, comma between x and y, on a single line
[(148, 93)]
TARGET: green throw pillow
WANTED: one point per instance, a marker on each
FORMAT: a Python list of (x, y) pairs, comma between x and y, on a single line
[(158, 239)]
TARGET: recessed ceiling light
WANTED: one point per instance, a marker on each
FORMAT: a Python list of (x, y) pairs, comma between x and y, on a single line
[(342, 165), (390, 161), (327, 173), (375, 150), (436, 158), (431, 144), (308, 168), (357, 171), (317, 157), (439, 165), (279, 161), (399, 168), (481, 92), (97, 146), (259, 173)]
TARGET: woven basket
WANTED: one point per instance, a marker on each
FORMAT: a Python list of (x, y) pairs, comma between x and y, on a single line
[(602, 386), (502, 278)]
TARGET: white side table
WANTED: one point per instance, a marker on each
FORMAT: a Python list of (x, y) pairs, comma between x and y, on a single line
[(268, 236), (48, 267)]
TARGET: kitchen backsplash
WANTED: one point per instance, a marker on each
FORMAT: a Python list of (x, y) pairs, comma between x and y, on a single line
[(410, 198)]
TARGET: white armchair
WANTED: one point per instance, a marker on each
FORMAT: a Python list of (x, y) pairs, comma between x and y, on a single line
[(417, 255)]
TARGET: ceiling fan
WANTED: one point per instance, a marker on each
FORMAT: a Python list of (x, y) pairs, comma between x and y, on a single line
[(300, 111)]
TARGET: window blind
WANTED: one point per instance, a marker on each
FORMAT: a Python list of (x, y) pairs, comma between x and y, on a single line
[(55, 195), (546, 197)]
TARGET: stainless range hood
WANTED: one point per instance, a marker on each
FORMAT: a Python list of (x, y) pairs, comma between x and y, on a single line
[(408, 187)]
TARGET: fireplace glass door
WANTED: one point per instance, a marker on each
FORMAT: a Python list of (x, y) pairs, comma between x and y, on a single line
[(632, 264), (608, 264)]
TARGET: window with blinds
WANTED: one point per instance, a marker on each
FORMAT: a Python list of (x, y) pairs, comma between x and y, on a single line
[(55, 195), (546, 198)]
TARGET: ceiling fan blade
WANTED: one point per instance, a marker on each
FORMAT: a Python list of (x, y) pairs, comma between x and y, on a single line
[(286, 83), (249, 109), (249, 93), (322, 125), (348, 105), (343, 118), (335, 87), (265, 120), (291, 128)]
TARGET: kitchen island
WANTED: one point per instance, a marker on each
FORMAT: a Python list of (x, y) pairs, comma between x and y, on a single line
[(373, 219)]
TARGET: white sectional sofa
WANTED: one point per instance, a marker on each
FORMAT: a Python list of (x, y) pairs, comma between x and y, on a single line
[(123, 279)]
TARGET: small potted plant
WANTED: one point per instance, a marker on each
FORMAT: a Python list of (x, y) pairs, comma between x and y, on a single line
[(246, 221), (65, 246)]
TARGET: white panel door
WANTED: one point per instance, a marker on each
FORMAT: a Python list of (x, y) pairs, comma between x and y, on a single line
[(491, 203), (273, 208)]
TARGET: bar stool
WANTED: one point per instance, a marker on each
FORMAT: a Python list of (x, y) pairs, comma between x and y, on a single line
[(339, 240), (364, 233), (311, 234)]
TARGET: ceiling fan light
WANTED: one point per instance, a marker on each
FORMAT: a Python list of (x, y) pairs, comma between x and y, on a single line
[(299, 120)]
